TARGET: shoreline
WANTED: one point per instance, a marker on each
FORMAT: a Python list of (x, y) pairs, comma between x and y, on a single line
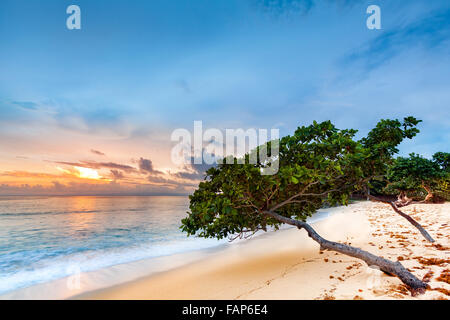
[(279, 249), (288, 265), (129, 271), (278, 265)]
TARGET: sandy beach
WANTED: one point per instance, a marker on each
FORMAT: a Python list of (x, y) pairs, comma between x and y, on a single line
[(288, 265)]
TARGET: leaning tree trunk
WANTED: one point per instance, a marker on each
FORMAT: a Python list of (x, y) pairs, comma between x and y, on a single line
[(424, 232), (415, 285), (430, 195)]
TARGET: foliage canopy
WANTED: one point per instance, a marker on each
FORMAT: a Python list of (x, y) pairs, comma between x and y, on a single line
[(318, 164), (416, 173)]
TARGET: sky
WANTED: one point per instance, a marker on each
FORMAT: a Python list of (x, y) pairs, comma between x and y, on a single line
[(91, 111)]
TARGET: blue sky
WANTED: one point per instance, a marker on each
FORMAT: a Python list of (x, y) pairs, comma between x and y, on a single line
[(139, 69)]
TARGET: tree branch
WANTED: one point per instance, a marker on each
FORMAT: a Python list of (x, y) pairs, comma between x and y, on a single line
[(395, 268), (301, 193), (424, 233)]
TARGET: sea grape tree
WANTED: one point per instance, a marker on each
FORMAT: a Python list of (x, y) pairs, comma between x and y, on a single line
[(381, 144), (417, 173), (443, 188), (443, 160), (318, 164)]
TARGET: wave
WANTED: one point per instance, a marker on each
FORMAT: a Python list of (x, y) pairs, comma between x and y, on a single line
[(67, 265)]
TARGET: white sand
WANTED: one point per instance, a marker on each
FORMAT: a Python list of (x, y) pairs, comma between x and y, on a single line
[(288, 265)]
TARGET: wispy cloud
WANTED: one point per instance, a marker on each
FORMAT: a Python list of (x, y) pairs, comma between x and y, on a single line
[(193, 171), (26, 105), (99, 165), (170, 182), (26, 174), (428, 32), (285, 6), (99, 153), (74, 188), (290, 7), (242, 66), (117, 174)]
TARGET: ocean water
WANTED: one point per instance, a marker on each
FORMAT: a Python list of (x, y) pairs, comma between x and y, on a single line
[(48, 238), (43, 239)]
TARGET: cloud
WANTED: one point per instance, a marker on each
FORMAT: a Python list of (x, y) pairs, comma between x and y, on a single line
[(160, 180), (285, 6), (170, 182), (190, 174), (35, 183), (116, 174), (26, 105), (194, 171), (146, 166), (26, 174), (289, 7), (429, 32), (99, 165), (99, 153), (81, 189)]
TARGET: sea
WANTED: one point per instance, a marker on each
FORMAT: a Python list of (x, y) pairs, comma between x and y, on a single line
[(43, 239)]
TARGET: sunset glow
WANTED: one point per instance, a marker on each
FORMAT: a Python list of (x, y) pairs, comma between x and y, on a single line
[(87, 173), (63, 131)]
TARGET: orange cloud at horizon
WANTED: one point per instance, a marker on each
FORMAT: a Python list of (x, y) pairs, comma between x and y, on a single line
[(15, 178), (67, 161), (76, 180)]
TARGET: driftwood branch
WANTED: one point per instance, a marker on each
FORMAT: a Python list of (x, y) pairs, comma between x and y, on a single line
[(415, 285)]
